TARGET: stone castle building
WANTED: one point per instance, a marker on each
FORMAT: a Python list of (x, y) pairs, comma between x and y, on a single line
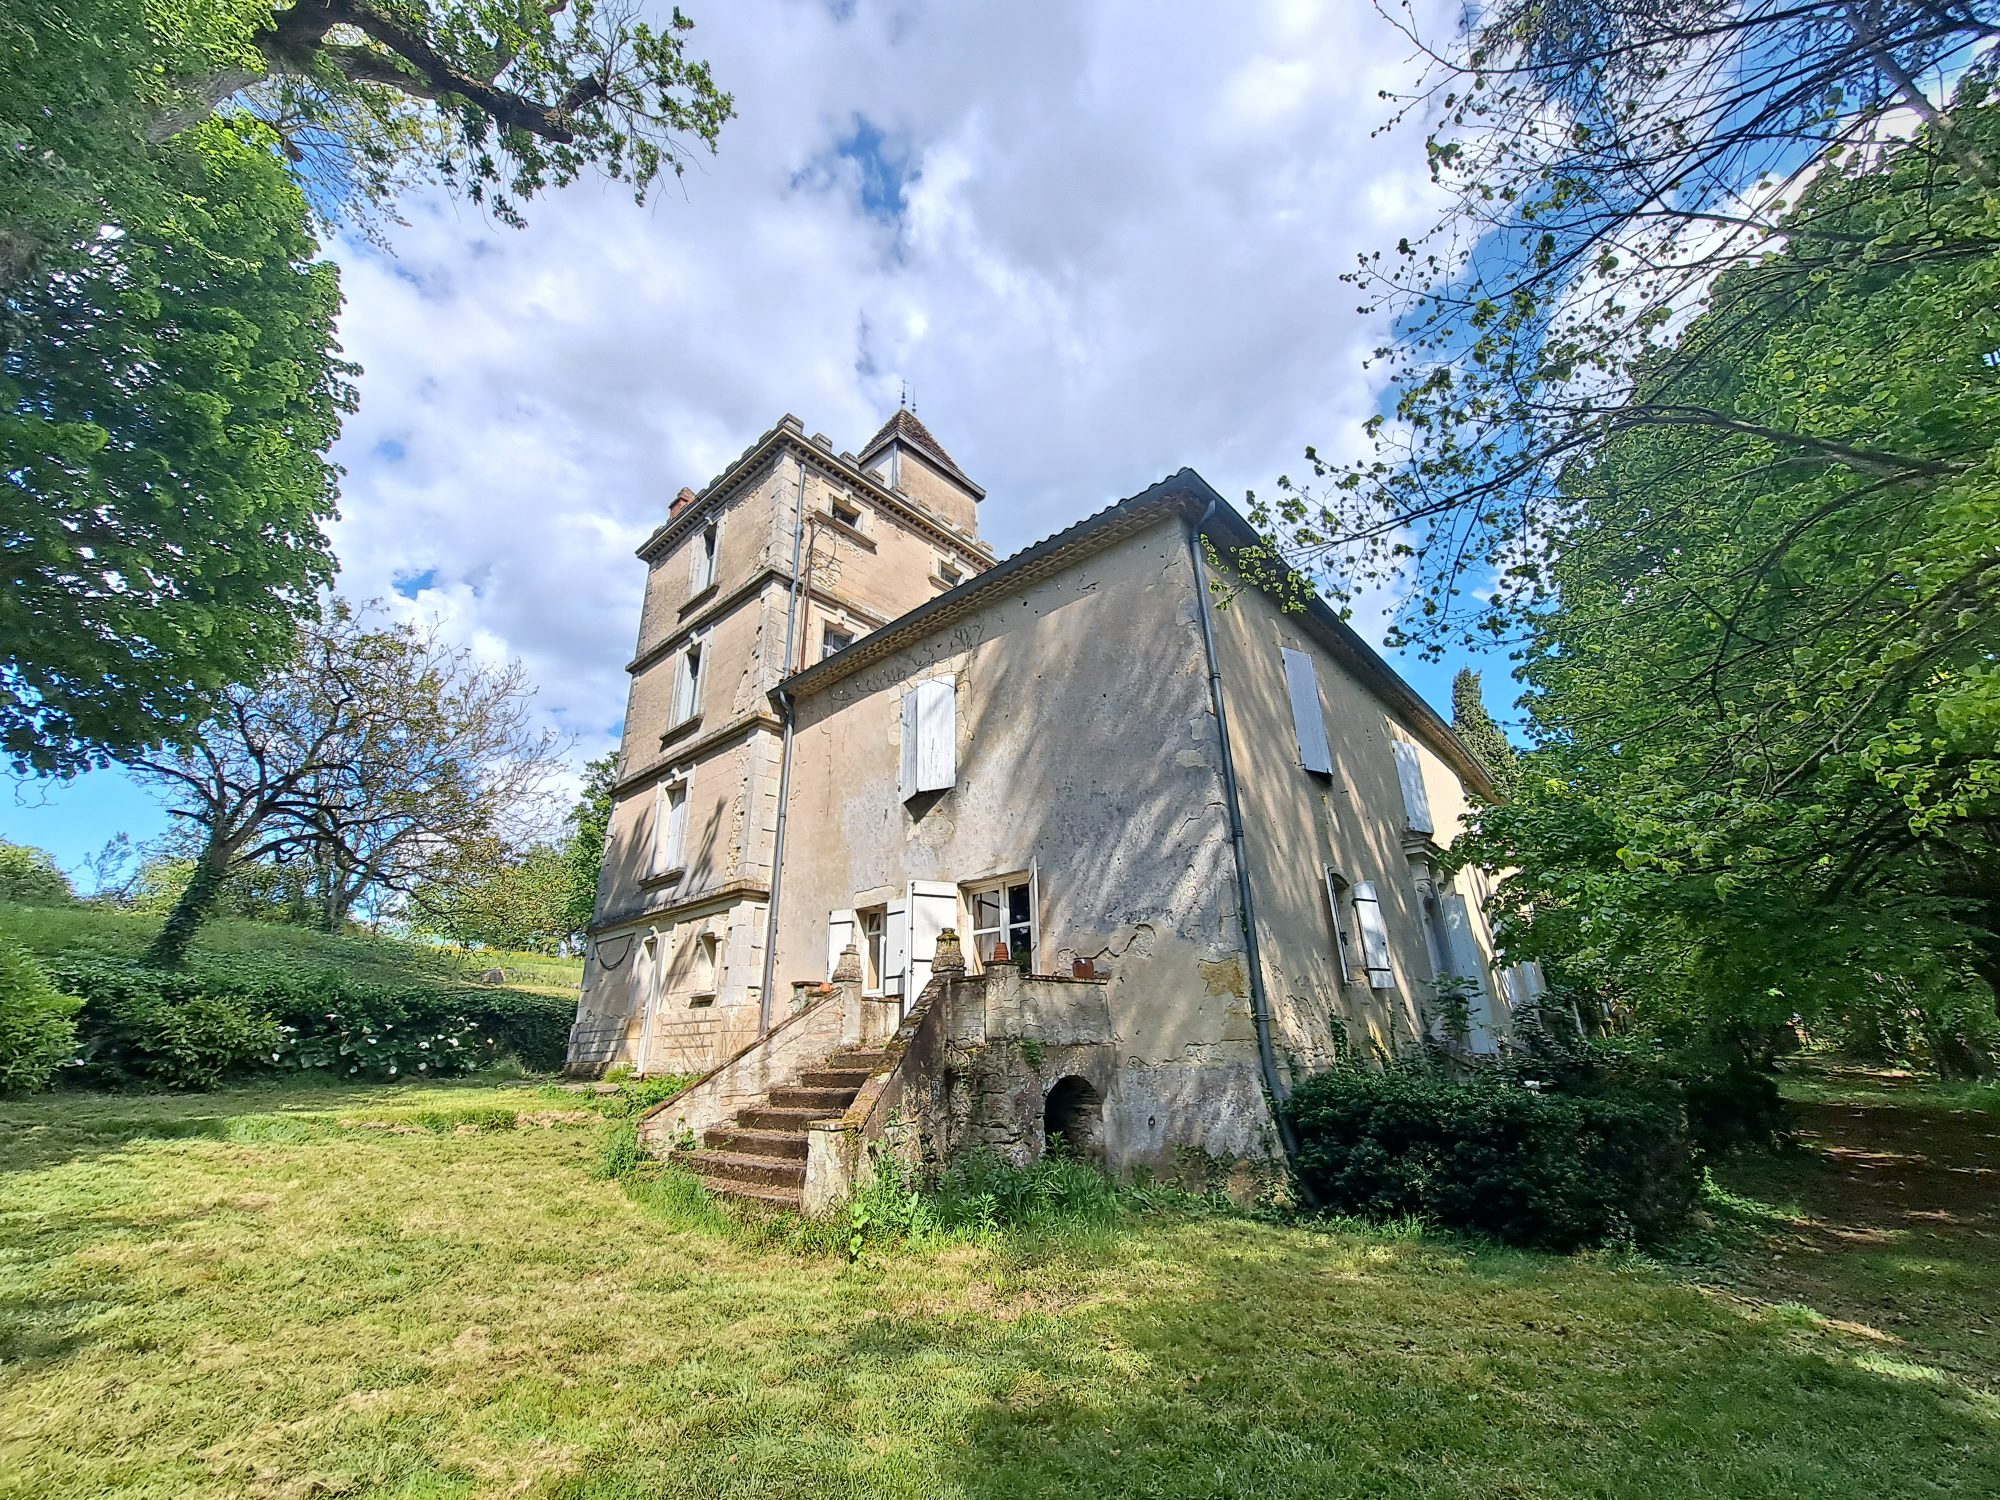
[(913, 846)]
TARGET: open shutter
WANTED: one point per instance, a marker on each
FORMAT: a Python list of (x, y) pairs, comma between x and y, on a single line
[(1308, 719), (841, 929), (1374, 936), (1469, 962), (933, 907), (1416, 801), (930, 737), (895, 947), (1038, 958), (1333, 884)]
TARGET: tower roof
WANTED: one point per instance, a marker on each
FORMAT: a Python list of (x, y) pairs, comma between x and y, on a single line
[(905, 427)]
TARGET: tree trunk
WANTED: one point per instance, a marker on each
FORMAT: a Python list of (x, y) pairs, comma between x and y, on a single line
[(195, 906)]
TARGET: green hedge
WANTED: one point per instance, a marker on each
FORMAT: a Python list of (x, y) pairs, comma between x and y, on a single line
[(200, 1026), (1493, 1156), (37, 1033)]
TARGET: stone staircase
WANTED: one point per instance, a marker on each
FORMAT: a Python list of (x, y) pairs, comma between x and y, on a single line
[(761, 1154)]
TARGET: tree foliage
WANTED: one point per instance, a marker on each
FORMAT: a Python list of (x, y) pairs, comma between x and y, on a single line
[(1768, 778), (31, 877), (1482, 736), (379, 752), (167, 399), (1607, 161)]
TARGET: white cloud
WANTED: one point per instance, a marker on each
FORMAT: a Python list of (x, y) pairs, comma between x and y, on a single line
[(1121, 234)]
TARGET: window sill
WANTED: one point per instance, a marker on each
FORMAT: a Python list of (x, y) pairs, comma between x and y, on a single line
[(944, 583), (854, 534), (686, 726), (701, 998), (665, 877), (698, 598)]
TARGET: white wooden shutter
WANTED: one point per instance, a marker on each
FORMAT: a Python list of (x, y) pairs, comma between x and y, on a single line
[(1038, 959), (1416, 801), (1308, 719), (842, 928), (1339, 927), (933, 907), (1470, 963), (930, 737), (895, 946), (1374, 936)]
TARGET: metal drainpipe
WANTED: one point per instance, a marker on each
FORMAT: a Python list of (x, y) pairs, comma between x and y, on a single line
[(784, 771), (1260, 1003)]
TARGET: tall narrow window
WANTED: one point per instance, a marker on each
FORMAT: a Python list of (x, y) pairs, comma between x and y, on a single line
[(669, 828), (1308, 719), (687, 701), (1336, 892), (1374, 936), (874, 925), (704, 560)]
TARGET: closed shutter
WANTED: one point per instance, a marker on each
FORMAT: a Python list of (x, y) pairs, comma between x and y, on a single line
[(933, 907), (1308, 719), (1416, 801), (842, 929), (1468, 962), (1374, 936), (930, 737)]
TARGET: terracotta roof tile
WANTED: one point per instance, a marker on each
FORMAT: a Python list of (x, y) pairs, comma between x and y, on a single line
[(905, 425)]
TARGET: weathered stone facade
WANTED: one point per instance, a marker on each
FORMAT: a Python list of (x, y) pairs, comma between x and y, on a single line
[(1224, 815)]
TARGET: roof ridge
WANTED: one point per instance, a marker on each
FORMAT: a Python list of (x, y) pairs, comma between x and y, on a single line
[(906, 425)]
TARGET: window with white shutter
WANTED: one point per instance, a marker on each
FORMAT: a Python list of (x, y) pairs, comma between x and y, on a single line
[(687, 694), (930, 737), (1416, 801), (1336, 888), (669, 827), (702, 572), (1308, 718), (1374, 936)]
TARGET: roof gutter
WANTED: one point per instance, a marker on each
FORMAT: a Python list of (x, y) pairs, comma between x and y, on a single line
[(1260, 1000)]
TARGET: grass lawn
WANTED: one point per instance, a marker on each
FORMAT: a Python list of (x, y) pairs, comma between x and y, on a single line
[(422, 1291), (49, 930)]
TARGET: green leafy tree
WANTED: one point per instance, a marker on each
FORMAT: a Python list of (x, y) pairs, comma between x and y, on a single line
[(169, 381), (37, 1023), (518, 901), (1768, 773), (1482, 736), (165, 413), (1606, 162), (379, 752), (589, 825), (31, 877)]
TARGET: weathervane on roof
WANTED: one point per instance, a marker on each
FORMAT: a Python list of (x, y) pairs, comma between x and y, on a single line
[(908, 405)]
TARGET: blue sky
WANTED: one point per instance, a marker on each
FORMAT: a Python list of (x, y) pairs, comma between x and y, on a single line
[(1099, 241)]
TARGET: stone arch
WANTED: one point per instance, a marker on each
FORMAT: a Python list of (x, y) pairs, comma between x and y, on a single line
[(1075, 1111)]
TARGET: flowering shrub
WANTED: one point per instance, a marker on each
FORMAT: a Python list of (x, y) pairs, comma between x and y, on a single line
[(299, 1018)]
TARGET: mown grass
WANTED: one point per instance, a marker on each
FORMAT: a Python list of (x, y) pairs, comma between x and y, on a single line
[(385, 1292), (49, 930)]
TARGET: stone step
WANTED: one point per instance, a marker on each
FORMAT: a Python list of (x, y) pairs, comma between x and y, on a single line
[(871, 1058), (829, 1101), (768, 1194), (787, 1118), (834, 1076), (789, 1144), (763, 1171)]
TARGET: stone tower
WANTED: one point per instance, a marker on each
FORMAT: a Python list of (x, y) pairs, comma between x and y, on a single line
[(792, 553)]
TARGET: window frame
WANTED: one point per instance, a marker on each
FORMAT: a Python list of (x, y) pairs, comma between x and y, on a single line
[(707, 546), (1337, 887), (1004, 885), (669, 853)]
